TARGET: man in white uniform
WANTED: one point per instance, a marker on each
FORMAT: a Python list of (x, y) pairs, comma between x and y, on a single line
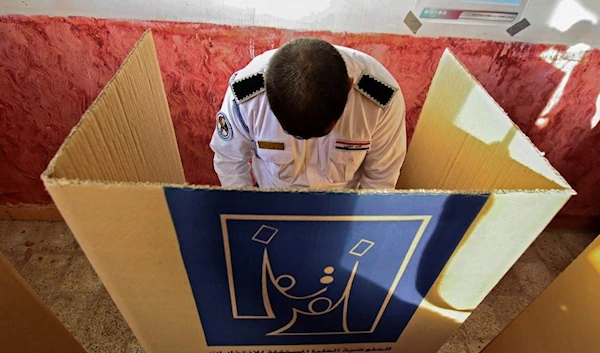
[(311, 115)]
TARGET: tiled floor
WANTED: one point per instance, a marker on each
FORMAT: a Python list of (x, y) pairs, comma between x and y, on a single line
[(47, 255)]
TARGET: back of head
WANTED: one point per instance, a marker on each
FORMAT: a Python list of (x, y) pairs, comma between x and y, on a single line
[(307, 87)]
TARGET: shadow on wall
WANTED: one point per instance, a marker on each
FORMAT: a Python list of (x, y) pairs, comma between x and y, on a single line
[(567, 129)]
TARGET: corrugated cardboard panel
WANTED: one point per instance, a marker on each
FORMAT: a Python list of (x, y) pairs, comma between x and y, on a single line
[(504, 229), (465, 141), (379, 253), (26, 324), (126, 135), (127, 234), (564, 318)]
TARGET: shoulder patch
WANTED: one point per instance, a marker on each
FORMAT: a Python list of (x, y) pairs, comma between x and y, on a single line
[(224, 129), (375, 89), (248, 87)]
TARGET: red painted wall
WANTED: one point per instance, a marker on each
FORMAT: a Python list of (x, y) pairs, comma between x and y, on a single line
[(52, 68)]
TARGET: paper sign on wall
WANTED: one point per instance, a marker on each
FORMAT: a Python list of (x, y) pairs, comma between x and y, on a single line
[(471, 11)]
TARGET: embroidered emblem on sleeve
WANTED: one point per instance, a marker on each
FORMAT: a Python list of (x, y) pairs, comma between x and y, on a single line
[(224, 129), (248, 87), (375, 89)]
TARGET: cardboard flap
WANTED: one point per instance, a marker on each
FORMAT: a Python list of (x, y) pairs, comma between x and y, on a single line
[(126, 135), (26, 324), (564, 317), (465, 141)]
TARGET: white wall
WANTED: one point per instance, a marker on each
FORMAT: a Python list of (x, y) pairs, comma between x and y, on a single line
[(553, 21)]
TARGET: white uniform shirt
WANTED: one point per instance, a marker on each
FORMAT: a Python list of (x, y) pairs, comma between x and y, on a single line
[(366, 148)]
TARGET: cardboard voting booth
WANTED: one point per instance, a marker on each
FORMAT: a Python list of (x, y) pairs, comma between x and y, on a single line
[(207, 269)]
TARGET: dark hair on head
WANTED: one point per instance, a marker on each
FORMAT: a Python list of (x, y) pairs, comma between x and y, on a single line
[(307, 86)]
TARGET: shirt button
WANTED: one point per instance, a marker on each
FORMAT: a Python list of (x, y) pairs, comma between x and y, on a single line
[(350, 160)]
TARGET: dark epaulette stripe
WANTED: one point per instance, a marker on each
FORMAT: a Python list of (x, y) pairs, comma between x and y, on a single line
[(376, 90), (245, 88)]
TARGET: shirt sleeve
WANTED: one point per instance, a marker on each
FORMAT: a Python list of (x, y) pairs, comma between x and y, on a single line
[(381, 167), (232, 147)]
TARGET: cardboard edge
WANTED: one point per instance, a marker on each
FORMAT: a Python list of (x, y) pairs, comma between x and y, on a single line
[(47, 174), (563, 182), (63, 182)]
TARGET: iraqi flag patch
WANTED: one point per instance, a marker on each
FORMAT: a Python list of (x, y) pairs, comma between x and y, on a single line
[(352, 145)]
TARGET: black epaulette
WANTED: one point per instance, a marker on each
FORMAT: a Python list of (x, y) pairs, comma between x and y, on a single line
[(248, 87), (375, 89)]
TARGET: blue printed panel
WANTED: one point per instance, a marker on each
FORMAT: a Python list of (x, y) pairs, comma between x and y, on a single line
[(274, 268)]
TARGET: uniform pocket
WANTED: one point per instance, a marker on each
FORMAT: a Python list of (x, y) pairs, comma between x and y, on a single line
[(279, 163), (343, 165)]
